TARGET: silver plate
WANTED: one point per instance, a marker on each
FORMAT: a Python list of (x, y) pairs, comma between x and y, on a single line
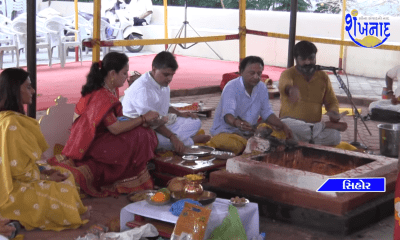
[(206, 197), (199, 151), (139, 196), (223, 154)]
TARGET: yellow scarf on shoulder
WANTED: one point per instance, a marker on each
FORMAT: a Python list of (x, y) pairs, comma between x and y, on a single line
[(22, 139)]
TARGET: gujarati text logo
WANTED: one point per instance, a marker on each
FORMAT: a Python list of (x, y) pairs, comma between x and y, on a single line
[(369, 31)]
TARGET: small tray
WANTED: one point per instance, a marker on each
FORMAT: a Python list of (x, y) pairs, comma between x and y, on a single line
[(206, 198), (223, 154), (139, 196), (199, 151), (241, 204)]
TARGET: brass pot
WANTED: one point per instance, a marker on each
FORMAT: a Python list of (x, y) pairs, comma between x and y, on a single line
[(194, 189)]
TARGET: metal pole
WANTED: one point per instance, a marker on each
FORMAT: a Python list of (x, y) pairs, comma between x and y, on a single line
[(342, 34), (355, 128), (31, 52), (292, 32), (185, 22)]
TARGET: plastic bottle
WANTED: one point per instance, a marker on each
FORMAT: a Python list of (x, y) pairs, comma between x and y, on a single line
[(384, 93)]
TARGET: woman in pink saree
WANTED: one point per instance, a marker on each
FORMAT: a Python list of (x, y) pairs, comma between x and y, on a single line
[(108, 156)]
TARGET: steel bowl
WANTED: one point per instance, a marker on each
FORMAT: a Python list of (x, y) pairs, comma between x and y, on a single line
[(239, 204), (389, 137), (190, 157)]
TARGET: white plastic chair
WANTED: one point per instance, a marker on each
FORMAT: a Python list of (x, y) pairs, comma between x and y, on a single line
[(10, 44), (3, 9), (6, 7), (40, 28), (6, 20), (84, 26), (56, 27), (20, 27), (7, 36), (18, 5)]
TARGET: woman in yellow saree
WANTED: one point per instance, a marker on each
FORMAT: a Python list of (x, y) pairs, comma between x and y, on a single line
[(47, 200)]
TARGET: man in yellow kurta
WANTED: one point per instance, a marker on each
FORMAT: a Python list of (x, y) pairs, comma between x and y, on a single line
[(304, 91)]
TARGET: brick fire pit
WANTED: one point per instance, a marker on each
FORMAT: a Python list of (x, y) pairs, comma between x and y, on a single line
[(285, 184)]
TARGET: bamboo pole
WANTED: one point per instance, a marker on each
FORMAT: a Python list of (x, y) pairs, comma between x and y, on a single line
[(76, 27), (166, 22), (242, 29), (115, 43), (96, 30)]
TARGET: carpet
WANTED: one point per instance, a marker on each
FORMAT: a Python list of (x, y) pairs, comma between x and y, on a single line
[(192, 72)]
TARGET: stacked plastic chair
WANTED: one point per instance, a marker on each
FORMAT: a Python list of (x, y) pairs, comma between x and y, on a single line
[(56, 26)]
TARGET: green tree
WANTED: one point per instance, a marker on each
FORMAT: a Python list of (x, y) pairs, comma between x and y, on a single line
[(259, 4), (284, 5), (330, 6)]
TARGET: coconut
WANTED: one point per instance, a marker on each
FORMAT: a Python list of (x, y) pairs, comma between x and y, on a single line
[(177, 184)]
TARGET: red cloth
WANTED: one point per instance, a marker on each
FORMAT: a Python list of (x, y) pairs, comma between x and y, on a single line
[(103, 163), (230, 76)]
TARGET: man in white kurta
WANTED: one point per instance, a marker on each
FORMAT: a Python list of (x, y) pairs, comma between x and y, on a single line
[(151, 92), (392, 102)]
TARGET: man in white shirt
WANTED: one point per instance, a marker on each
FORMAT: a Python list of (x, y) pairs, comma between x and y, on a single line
[(392, 103), (151, 92), (140, 9), (243, 101)]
